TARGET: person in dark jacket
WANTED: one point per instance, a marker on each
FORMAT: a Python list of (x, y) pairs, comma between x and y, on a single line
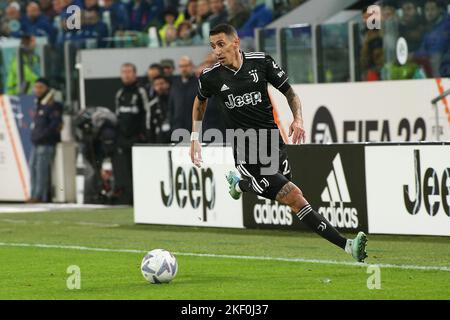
[(38, 24), (45, 134), (130, 107), (182, 95), (219, 13), (158, 121)]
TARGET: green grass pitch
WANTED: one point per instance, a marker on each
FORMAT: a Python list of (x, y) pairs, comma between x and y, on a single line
[(33, 272)]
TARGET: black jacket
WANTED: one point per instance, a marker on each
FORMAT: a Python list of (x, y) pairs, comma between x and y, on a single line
[(130, 107), (158, 121), (47, 123), (182, 95)]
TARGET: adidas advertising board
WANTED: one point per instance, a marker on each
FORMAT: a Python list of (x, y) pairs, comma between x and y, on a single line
[(169, 189), (367, 111), (332, 180), (408, 189)]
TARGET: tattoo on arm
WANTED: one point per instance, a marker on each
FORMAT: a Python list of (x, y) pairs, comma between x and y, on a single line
[(287, 188), (294, 103)]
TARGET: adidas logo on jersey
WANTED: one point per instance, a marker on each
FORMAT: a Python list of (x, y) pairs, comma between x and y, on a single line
[(224, 88), (239, 101), (338, 212)]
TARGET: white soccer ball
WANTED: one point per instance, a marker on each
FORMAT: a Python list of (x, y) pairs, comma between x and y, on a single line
[(159, 266)]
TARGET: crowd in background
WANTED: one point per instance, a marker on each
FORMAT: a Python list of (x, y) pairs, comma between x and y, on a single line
[(145, 111), (177, 22), (424, 24)]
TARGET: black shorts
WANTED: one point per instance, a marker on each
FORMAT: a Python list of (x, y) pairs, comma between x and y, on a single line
[(268, 186)]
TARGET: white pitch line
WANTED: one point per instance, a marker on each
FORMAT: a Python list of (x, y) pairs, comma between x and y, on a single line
[(226, 256)]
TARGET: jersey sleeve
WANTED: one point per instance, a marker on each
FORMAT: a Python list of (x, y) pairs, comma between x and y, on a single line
[(275, 75), (204, 91)]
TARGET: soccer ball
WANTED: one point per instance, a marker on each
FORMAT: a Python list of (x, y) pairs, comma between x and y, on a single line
[(159, 266)]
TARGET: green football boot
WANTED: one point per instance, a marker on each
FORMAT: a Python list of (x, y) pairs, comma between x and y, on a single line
[(359, 247), (233, 179)]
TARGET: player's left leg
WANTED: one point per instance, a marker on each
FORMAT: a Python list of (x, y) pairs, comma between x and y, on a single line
[(292, 196)]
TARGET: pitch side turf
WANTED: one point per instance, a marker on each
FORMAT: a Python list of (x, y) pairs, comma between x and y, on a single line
[(37, 248)]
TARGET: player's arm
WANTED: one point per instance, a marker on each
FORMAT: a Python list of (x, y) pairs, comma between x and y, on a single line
[(279, 79), (296, 129), (198, 111)]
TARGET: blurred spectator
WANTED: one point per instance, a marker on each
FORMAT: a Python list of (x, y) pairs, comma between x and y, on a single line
[(208, 61), (203, 13), (372, 56), (239, 12), (218, 13), (91, 5), (375, 59), (93, 28), (153, 71), (130, 108), (412, 25), (168, 68), (260, 16), (45, 134), (191, 11), (11, 23), (47, 9), (389, 27), (168, 32), (144, 13), (37, 24), (182, 94), (29, 68), (186, 35), (435, 46), (158, 119), (115, 11)]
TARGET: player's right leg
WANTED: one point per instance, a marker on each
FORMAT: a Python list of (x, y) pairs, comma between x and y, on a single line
[(292, 196)]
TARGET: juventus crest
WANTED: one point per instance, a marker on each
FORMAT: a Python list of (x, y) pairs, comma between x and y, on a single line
[(254, 74)]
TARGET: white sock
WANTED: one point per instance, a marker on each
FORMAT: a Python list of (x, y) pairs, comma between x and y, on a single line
[(236, 187), (348, 246)]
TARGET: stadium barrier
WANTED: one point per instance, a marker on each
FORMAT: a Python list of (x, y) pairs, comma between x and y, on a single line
[(379, 188), (332, 179), (168, 189), (384, 111), (16, 114), (15, 147)]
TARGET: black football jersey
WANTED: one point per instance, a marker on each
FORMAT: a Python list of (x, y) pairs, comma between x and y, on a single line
[(242, 94)]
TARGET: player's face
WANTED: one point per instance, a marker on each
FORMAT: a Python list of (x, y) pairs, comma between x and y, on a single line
[(224, 47)]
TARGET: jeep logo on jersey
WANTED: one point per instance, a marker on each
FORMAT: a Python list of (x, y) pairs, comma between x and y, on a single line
[(323, 128), (430, 188), (196, 185), (339, 211), (239, 101), (271, 212)]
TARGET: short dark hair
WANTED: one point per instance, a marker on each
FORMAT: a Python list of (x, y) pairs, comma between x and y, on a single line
[(156, 66), (226, 28), (161, 77), (131, 65)]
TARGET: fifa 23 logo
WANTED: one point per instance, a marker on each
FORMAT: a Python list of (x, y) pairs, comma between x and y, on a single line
[(427, 188), (192, 186)]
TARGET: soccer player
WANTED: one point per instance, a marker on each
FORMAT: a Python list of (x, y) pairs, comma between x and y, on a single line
[(239, 81)]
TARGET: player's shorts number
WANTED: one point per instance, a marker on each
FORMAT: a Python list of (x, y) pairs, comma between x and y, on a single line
[(286, 169)]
